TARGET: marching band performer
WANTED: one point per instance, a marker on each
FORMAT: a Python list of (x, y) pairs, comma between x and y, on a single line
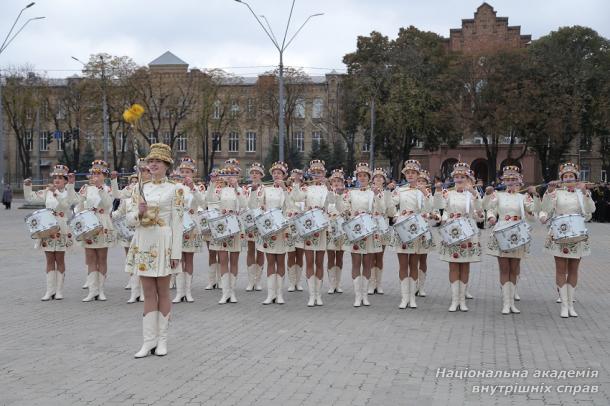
[(315, 195), (97, 197), (230, 199), (213, 261), (380, 179), (296, 250), (191, 241), (156, 247), (572, 198), (461, 202), (334, 246), (58, 197), (275, 246), (354, 202), (410, 199), (423, 181), (255, 259), (509, 207)]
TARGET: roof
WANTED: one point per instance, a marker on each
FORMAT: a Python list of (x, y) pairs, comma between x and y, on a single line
[(167, 59)]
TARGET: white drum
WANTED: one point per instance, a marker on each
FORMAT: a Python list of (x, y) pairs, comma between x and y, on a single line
[(456, 231), (512, 236), (335, 228), (248, 218), (310, 222), (203, 216), (124, 230), (188, 224), (85, 225), (410, 228), (224, 227), (42, 223), (271, 222), (569, 228), (360, 227), (383, 226)]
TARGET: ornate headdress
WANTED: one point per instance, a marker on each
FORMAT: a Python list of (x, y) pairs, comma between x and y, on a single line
[(161, 152), (461, 168), (363, 167), (424, 174), (60, 170), (380, 172), (567, 168), (279, 165), (337, 173), (233, 165), (296, 171), (99, 166), (187, 163), (511, 171), (411, 165), (257, 167), (317, 164)]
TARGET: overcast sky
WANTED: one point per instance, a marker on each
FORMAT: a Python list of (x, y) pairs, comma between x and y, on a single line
[(223, 33)]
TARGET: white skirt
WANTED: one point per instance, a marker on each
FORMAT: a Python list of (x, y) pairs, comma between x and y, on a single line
[(150, 252)]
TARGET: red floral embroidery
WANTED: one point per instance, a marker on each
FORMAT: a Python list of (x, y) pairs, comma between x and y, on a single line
[(308, 243), (61, 214), (463, 245), (69, 235), (456, 255), (101, 211), (286, 235), (404, 246), (250, 235), (224, 244), (469, 245), (316, 235), (186, 237), (191, 211), (265, 245), (44, 244), (89, 241), (565, 250), (356, 248), (273, 238)]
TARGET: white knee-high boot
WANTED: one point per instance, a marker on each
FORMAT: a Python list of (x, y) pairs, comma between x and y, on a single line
[(511, 296), (311, 283), (338, 280), (101, 280), (51, 286), (180, 288), (462, 297), (357, 291), (365, 289), (563, 294), (372, 282), (455, 295), (404, 293), (59, 288), (134, 282), (271, 289), (571, 311), (212, 280), (232, 281), (378, 287), (506, 298), (318, 291), (298, 274), (162, 330), (92, 285), (149, 334), (292, 278), (412, 290), (258, 271), (279, 286), (251, 276), (225, 283), (421, 281), (188, 284), (331, 280)]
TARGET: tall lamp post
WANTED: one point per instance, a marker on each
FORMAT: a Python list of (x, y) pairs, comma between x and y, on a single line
[(7, 41), (104, 104), (281, 48)]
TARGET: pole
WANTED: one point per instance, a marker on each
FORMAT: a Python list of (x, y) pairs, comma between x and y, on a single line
[(38, 172), (281, 124), (372, 140), (104, 110), (2, 161)]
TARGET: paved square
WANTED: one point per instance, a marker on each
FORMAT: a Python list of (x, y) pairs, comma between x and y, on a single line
[(68, 352)]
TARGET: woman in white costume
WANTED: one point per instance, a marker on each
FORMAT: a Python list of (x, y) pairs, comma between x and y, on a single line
[(230, 199), (410, 199), (334, 246), (314, 195), (275, 246), (216, 182), (156, 247), (504, 209), (380, 179), (363, 199), (296, 251), (423, 182), (192, 242), (461, 202), (59, 197), (96, 196), (572, 198), (255, 259)]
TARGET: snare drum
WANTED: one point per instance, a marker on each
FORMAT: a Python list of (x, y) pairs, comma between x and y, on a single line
[(569, 228), (188, 224), (271, 222), (410, 228), (335, 229), (224, 227), (248, 219), (203, 216), (360, 227), (42, 223), (85, 225), (512, 236), (310, 222), (124, 230), (456, 231)]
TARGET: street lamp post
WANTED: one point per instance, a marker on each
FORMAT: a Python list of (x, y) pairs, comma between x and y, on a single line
[(104, 104), (281, 48), (7, 41)]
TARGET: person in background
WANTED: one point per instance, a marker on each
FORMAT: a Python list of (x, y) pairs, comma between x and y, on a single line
[(7, 197)]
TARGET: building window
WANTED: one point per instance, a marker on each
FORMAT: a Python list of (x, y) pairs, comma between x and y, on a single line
[(181, 142), (233, 141), (366, 144), (216, 142), (250, 107), (299, 108), (585, 172), (250, 141), (122, 142), (318, 105), (217, 110), (298, 138), (44, 141), (167, 138), (234, 108), (316, 139), (29, 144), (153, 138), (59, 137)]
